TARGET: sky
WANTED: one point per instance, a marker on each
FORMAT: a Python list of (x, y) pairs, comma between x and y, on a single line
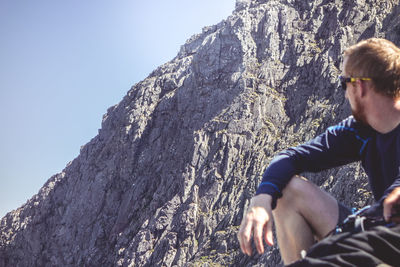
[(64, 63)]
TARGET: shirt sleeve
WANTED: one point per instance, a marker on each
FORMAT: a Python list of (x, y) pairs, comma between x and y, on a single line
[(338, 145)]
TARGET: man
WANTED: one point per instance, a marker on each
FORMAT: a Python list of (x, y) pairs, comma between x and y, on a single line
[(303, 213)]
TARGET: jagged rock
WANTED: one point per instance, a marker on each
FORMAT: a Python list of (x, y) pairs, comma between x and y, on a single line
[(167, 178)]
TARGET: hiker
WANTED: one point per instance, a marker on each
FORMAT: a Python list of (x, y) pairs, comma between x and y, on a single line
[(303, 213)]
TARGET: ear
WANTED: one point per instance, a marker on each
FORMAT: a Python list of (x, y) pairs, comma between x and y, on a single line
[(363, 88)]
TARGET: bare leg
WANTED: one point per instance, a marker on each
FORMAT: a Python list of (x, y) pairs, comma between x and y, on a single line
[(305, 213)]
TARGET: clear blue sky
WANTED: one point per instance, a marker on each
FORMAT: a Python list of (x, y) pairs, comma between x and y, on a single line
[(63, 63)]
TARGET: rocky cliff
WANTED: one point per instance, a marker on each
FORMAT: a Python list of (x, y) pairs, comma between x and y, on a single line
[(166, 180)]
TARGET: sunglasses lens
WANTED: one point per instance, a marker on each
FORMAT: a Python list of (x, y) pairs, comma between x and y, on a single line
[(343, 81), (343, 84)]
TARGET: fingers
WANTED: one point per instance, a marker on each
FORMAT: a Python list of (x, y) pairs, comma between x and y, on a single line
[(244, 236), (257, 229), (252, 225), (254, 222), (258, 240), (269, 239), (387, 211), (391, 202)]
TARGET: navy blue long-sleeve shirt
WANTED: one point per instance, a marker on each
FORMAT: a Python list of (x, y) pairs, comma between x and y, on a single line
[(346, 142)]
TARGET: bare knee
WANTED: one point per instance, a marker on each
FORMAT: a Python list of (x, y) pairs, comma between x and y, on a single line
[(296, 188), (316, 206)]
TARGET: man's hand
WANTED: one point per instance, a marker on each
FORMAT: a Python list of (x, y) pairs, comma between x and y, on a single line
[(391, 206), (257, 219)]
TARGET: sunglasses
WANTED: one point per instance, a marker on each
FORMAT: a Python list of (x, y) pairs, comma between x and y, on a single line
[(344, 80)]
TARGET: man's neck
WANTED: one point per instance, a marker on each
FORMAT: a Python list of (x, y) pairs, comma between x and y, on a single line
[(385, 114)]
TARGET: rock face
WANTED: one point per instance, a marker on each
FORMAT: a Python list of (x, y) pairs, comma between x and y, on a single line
[(167, 178)]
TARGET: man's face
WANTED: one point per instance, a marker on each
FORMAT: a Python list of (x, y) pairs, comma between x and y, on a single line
[(357, 108)]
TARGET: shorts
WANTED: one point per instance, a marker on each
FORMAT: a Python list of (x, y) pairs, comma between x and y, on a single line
[(376, 246)]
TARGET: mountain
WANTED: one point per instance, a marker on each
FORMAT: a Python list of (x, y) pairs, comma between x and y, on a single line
[(175, 163)]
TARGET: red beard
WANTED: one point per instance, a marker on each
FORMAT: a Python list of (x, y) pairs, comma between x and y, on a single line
[(358, 112)]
